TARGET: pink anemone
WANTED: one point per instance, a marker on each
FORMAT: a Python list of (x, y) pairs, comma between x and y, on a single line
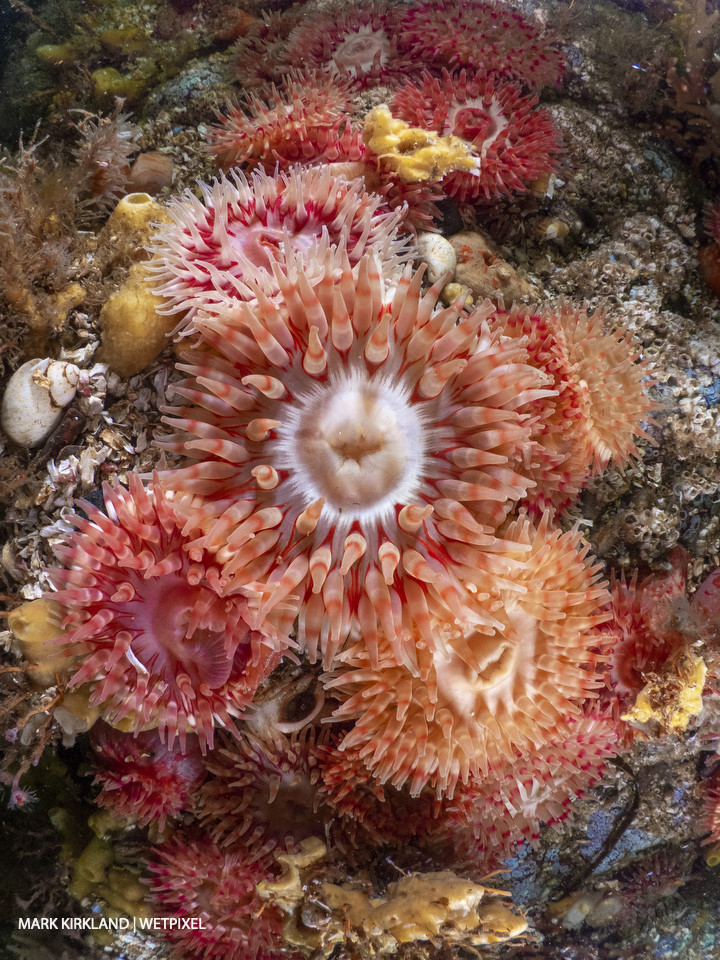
[(485, 36), (216, 892), (151, 636), (290, 123), (515, 141), (537, 787), (596, 416), (262, 794), (229, 245), (140, 778), (361, 44)]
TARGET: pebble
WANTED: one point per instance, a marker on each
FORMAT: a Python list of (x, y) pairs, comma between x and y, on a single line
[(438, 254)]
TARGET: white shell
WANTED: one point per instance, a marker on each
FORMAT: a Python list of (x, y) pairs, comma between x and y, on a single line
[(438, 254), (34, 397)]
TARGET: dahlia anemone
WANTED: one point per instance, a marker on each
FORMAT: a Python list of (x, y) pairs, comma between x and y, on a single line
[(706, 599), (227, 246), (103, 157), (140, 779), (539, 787), (486, 36), (262, 794), (516, 142), (156, 643), (302, 120), (600, 404), (362, 809), (709, 260), (479, 696), (257, 56), (289, 123), (352, 452), (561, 465), (645, 629), (360, 44), (605, 366), (711, 221), (654, 877), (191, 878), (348, 785), (417, 202)]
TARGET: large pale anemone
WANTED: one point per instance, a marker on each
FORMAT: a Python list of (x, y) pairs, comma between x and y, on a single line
[(227, 245), (652, 621), (484, 35), (157, 645), (480, 696), (515, 141), (191, 879), (353, 450)]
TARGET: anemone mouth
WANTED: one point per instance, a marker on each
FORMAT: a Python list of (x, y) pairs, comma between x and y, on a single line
[(171, 637), (159, 646), (481, 122), (497, 661), (356, 441), (466, 687), (360, 52)]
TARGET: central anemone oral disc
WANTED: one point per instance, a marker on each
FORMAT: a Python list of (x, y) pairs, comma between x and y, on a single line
[(358, 442)]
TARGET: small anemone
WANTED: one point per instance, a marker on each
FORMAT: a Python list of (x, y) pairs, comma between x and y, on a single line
[(262, 794), (192, 878), (140, 778), (157, 645)]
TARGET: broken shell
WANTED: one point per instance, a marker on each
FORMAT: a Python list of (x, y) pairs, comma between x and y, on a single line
[(550, 228), (439, 255), (34, 398)]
